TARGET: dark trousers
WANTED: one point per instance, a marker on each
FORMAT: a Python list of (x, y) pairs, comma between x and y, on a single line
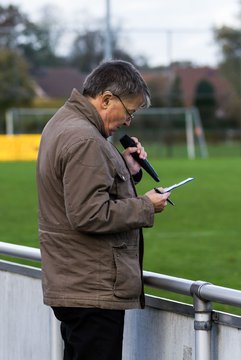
[(91, 333)]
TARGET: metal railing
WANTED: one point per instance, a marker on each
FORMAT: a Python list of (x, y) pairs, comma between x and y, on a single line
[(203, 294), (19, 251)]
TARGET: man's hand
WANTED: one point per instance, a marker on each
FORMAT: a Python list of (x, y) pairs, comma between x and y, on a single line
[(133, 165), (159, 201)]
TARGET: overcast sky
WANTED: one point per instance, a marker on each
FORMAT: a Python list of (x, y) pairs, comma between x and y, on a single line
[(162, 31)]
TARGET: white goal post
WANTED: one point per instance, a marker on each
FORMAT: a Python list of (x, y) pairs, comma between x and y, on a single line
[(193, 126), (15, 117), (32, 120)]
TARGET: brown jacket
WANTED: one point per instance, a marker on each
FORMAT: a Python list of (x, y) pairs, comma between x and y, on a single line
[(89, 215)]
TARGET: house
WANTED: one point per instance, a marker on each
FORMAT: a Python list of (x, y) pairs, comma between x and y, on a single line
[(57, 82), (191, 76)]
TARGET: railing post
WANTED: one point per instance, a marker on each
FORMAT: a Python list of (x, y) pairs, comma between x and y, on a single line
[(202, 323)]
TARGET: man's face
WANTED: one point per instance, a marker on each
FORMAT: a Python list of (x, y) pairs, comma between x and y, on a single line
[(120, 112)]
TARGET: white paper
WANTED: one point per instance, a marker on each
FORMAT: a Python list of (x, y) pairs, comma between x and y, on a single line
[(170, 188)]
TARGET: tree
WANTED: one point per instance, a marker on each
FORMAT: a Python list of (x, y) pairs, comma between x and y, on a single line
[(16, 87), (88, 50), (205, 101), (34, 41), (11, 24), (39, 41), (229, 39), (175, 98), (157, 86)]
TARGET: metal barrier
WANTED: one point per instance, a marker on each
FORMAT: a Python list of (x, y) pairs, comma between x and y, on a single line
[(203, 294)]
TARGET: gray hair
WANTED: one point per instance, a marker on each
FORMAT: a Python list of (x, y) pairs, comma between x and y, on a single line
[(118, 76)]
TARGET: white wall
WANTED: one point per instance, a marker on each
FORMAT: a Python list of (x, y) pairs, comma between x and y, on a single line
[(154, 334)]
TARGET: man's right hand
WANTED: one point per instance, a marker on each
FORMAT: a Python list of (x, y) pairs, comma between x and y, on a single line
[(159, 201)]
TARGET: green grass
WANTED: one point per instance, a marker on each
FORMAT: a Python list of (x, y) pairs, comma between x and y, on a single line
[(198, 239), (18, 204)]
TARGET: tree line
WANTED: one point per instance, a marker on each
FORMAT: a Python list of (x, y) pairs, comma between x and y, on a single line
[(26, 45)]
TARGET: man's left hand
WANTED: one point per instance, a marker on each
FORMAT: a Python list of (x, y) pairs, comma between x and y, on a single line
[(133, 165)]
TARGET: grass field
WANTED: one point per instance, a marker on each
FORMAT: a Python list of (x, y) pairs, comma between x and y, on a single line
[(198, 239)]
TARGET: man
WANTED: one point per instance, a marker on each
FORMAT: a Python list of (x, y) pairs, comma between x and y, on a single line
[(90, 217)]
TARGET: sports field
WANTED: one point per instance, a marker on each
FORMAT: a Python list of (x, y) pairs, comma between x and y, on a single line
[(198, 239)]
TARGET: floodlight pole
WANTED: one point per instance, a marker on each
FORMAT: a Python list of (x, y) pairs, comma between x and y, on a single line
[(108, 37)]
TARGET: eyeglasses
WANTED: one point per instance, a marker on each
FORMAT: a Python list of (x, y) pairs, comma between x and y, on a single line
[(130, 116)]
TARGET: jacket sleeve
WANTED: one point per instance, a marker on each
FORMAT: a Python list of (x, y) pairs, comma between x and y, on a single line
[(90, 203)]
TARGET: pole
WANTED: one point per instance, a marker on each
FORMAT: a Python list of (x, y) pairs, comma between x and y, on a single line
[(199, 131), (9, 122), (202, 322), (169, 47), (108, 37), (190, 135)]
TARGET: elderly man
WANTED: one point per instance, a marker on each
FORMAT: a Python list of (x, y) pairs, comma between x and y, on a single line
[(90, 217)]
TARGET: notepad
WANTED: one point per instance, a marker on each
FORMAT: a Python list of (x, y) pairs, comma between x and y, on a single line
[(172, 187)]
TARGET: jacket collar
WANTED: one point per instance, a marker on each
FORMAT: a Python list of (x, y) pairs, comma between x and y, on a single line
[(81, 104)]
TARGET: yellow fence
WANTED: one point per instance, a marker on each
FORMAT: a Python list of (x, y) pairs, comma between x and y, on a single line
[(19, 147)]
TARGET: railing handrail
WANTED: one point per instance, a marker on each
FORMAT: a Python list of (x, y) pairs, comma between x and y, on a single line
[(203, 290), (20, 251)]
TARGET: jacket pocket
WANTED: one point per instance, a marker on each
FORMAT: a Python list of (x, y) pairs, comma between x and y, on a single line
[(122, 187), (128, 274)]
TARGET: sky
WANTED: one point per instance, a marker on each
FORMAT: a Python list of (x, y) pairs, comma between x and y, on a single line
[(161, 31)]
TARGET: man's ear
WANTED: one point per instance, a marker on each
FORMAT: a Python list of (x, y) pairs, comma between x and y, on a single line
[(105, 99)]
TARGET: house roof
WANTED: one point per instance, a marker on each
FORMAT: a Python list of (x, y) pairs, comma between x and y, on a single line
[(58, 82)]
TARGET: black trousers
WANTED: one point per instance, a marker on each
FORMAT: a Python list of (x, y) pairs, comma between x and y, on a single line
[(91, 333)]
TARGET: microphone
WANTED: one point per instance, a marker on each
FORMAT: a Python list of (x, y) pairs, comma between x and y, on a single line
[(126, 141)]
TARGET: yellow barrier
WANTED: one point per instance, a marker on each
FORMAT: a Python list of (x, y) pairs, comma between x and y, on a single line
[(19, 147)]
